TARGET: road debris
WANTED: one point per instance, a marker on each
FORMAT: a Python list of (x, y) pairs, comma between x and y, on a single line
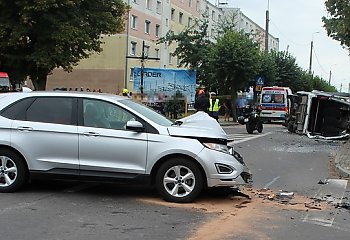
[(313, 205)]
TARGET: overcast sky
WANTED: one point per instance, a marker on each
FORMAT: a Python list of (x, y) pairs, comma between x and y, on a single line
[(295, 23)]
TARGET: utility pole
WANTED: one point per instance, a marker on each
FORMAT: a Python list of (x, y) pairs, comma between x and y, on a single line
[(267, 28), (330, 77), (311, 50), (143, 58)]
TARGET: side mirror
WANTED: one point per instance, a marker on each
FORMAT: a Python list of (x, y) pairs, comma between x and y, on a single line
[(135, 126)]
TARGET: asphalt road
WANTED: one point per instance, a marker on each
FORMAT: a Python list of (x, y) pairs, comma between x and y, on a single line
[(278, 160)]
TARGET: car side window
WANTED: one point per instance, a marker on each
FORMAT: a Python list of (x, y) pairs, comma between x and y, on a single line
[(51, 110), (17, 110), (102, 114)]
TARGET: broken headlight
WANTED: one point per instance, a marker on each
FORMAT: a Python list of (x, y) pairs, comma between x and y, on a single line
[(217, 147)]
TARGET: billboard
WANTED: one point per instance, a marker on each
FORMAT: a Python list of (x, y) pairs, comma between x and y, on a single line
[(160, 83)]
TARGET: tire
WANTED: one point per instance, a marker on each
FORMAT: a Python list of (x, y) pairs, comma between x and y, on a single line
[(171, 184), (260, 127), (249, 128), (13, 172)]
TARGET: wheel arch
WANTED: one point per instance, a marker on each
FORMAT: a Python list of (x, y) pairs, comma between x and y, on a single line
[(183, 156), (9, 148)]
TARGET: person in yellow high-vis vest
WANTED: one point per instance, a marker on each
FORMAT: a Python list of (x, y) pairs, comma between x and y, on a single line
[(214, 106)]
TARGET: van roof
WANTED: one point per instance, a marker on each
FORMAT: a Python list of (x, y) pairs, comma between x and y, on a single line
[(4, 75)]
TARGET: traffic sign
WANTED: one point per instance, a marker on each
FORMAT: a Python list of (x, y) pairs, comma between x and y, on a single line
[(260, 81)]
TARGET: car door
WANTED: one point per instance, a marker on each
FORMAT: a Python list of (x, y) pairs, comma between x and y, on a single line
[(106, 148), (46, 134)]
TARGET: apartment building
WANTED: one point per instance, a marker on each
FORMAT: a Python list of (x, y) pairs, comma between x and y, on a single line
[(257, 33), (147, 21)]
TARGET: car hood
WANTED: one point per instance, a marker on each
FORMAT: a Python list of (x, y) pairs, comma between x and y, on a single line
[(200, 125)]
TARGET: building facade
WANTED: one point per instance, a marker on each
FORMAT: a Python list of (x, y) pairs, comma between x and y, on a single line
[(146, 22)]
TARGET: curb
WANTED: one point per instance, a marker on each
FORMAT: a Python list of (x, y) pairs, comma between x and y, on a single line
[(342, 160)]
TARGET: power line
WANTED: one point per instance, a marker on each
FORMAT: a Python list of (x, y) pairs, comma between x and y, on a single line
[(319, 64), (282, 34)]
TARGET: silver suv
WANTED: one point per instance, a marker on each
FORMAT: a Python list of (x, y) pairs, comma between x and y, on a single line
[(87, 136)]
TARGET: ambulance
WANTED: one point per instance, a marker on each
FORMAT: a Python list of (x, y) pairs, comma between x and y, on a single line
[(4, 82), (275, 103)]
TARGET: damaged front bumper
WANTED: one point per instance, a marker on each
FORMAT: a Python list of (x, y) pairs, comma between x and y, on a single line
[(246, 175)]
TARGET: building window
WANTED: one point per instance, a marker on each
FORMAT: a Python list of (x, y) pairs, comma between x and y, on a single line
[(157, 30), (167, 22), (219, 17), (190, 3), (172, 17), (181, 16), (213, 15), (198, 6), (170, 58), (134, 22), (206, 11), (189, 22), (135, 1), (146, 50), (159, 7), (147, 26), (148, 4), (156, 52), (133, 48)]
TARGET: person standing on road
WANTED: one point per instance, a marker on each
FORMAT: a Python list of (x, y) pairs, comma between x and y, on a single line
[(202, 101), (214, 106), (228, 109)]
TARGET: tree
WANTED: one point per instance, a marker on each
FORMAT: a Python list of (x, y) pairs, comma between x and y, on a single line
[(193, 46), (233, 61), (338, 22), (46, 34)]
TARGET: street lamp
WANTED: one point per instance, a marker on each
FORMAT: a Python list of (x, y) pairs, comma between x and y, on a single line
[(312, 46)]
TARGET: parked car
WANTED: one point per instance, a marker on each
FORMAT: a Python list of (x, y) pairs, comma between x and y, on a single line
[(88, 136)]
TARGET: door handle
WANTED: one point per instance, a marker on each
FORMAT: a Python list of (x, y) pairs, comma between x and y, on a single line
[(91, 134), (25, 129)]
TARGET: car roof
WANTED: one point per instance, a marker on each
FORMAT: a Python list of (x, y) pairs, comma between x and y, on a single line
[(68, 94)]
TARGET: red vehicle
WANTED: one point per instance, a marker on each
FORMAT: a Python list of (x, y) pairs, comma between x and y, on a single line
[(4, 82)]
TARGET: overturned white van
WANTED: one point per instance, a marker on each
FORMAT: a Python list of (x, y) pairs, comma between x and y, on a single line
[(320, 115)]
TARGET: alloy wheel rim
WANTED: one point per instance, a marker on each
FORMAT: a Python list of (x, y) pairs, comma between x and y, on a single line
[(179, 181), (8, 171)]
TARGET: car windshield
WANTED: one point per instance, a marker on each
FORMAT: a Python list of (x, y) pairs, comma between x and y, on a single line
[(148, 112), (4, 82), (273, 98)]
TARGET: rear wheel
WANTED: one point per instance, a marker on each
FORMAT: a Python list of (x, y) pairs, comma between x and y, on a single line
[(179, 180), (13, 172)]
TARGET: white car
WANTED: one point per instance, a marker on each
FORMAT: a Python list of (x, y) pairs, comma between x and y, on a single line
[(88, 136)]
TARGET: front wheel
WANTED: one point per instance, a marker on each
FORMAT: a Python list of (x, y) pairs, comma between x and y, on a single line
[(179, 180), (260, 127), (249, 127), (13, 172)]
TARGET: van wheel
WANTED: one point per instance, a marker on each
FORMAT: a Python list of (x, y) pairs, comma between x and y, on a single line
[(179, 180), (13, 172)]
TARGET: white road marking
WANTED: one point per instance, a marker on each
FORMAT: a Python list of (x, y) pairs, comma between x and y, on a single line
[(239, 138), (332, 192), (272, 182)]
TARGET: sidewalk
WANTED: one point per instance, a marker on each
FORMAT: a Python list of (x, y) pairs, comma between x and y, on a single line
[(342, 160), (226, 123)]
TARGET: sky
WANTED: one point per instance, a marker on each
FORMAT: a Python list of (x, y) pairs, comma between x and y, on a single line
[(296, 23)]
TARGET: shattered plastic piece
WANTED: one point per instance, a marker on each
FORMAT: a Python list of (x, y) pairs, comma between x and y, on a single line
[(312, 205), (322, 182), (283, 194), (345, 205)]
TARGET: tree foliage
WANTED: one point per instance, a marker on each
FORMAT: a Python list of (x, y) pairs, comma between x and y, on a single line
[(193, 46), (39, 35), (337, 23), (233, 62)]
